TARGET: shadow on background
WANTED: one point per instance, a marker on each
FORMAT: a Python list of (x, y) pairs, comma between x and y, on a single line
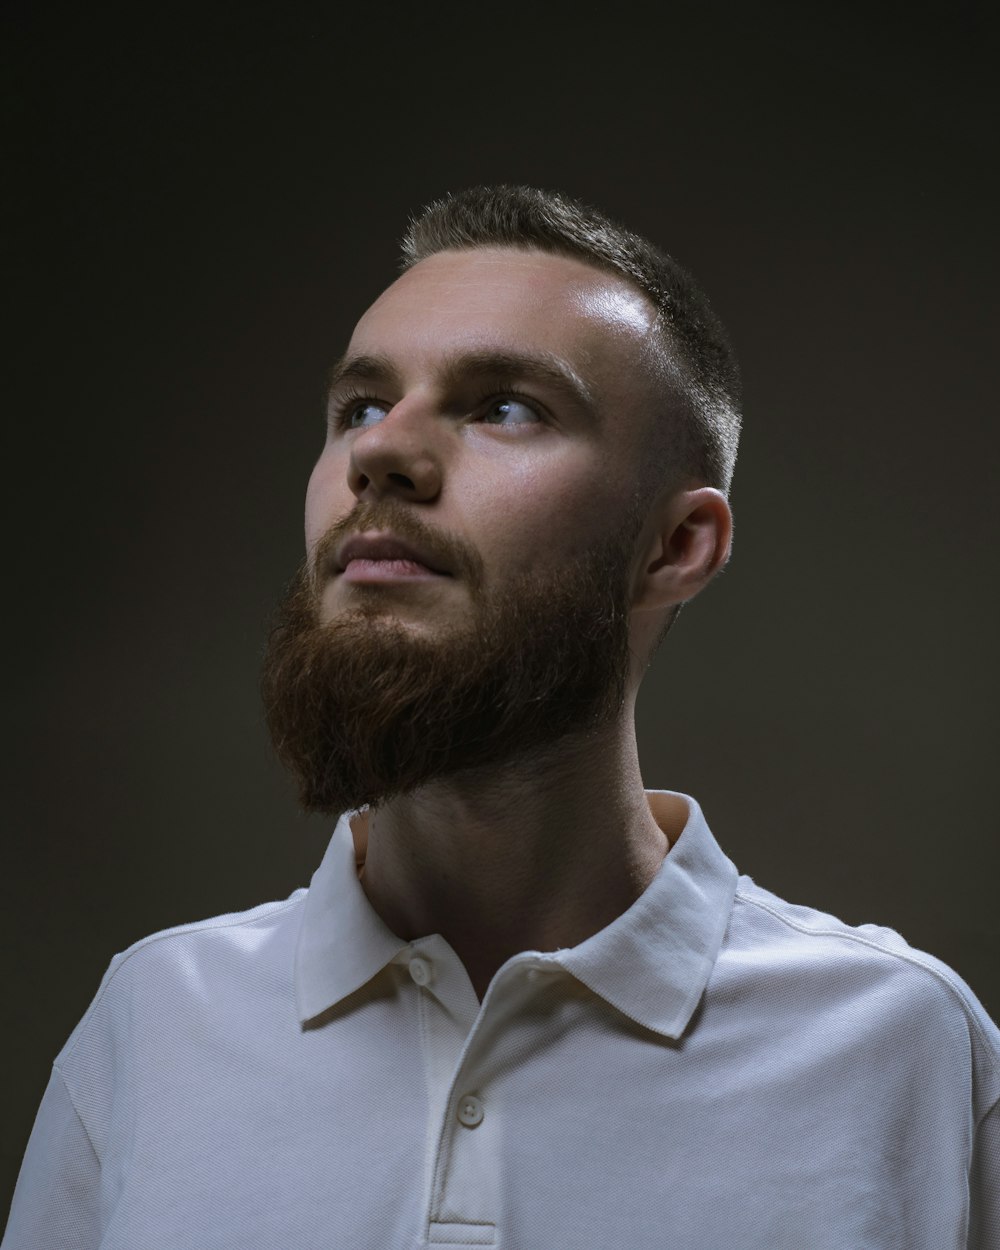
[(202, 210)]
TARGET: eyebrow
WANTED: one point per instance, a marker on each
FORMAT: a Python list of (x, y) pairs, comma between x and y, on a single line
[(545, 368)]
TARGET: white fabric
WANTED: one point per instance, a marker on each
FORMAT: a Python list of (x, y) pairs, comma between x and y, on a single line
[(716, 1068)]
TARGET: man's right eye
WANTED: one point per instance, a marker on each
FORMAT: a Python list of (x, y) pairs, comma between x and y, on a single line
[(360, 415), (358, 412)]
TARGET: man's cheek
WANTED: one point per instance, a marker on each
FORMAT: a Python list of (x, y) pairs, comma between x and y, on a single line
[(320, 504)]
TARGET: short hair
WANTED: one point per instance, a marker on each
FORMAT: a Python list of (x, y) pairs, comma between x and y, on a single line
[(696, 430)]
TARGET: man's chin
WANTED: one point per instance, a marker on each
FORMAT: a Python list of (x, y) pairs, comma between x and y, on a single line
[(414, 603), (374, 704)]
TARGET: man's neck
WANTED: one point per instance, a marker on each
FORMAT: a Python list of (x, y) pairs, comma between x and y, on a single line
[(531, 857)]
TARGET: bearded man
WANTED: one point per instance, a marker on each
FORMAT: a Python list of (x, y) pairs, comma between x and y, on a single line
[(525, 1002)]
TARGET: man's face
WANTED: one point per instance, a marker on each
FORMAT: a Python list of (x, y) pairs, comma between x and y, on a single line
[(489, 412), (522, 492)]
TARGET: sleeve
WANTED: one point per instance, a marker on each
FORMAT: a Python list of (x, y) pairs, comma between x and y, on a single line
[(56, 1200), (984, 1184)]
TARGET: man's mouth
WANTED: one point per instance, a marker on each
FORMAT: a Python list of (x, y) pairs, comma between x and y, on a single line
[(382, 556), (386, 570)]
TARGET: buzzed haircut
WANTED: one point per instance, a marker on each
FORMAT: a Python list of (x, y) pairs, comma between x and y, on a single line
[(695, 379)]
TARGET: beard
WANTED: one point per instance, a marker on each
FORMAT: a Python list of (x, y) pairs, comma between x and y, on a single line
[(361, 708)]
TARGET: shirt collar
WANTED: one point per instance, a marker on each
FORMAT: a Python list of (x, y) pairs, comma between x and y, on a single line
[(343, 941), (652, 963)]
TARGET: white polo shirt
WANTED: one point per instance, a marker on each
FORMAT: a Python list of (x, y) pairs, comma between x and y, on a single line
[(716, 1068)]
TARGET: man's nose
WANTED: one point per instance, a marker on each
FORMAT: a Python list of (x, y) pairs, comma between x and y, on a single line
[(398, 455)]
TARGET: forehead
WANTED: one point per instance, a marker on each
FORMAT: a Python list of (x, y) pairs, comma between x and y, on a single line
[(511, 299)]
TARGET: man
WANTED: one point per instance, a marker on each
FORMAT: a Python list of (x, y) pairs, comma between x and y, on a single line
[(524, 1003)]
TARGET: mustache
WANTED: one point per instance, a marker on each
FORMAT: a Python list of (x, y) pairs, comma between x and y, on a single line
[(394, 515)]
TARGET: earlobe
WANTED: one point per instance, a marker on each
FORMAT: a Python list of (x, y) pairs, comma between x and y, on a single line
[(691, 545)]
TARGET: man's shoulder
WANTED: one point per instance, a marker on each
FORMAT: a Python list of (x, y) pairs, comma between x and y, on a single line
[(795, 928), (864, 972), (222, 958), (227, 928)]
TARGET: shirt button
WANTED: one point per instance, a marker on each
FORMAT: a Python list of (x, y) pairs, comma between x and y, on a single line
[(421, 971), (470, 1110)]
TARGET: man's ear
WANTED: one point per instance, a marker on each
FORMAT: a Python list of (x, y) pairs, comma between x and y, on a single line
[(691, 540)]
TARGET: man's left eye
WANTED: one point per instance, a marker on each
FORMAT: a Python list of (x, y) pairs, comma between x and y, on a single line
[(510, 412)]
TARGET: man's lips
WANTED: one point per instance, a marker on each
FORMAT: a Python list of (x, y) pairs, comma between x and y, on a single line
[(383, 556), (358, 570)]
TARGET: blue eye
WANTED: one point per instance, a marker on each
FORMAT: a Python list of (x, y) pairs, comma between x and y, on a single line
[(354, 416), (510, 412)]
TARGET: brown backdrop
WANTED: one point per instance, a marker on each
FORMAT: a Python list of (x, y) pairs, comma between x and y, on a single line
[(201, 210)]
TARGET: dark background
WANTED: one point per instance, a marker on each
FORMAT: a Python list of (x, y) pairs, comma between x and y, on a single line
[(202, 207)]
